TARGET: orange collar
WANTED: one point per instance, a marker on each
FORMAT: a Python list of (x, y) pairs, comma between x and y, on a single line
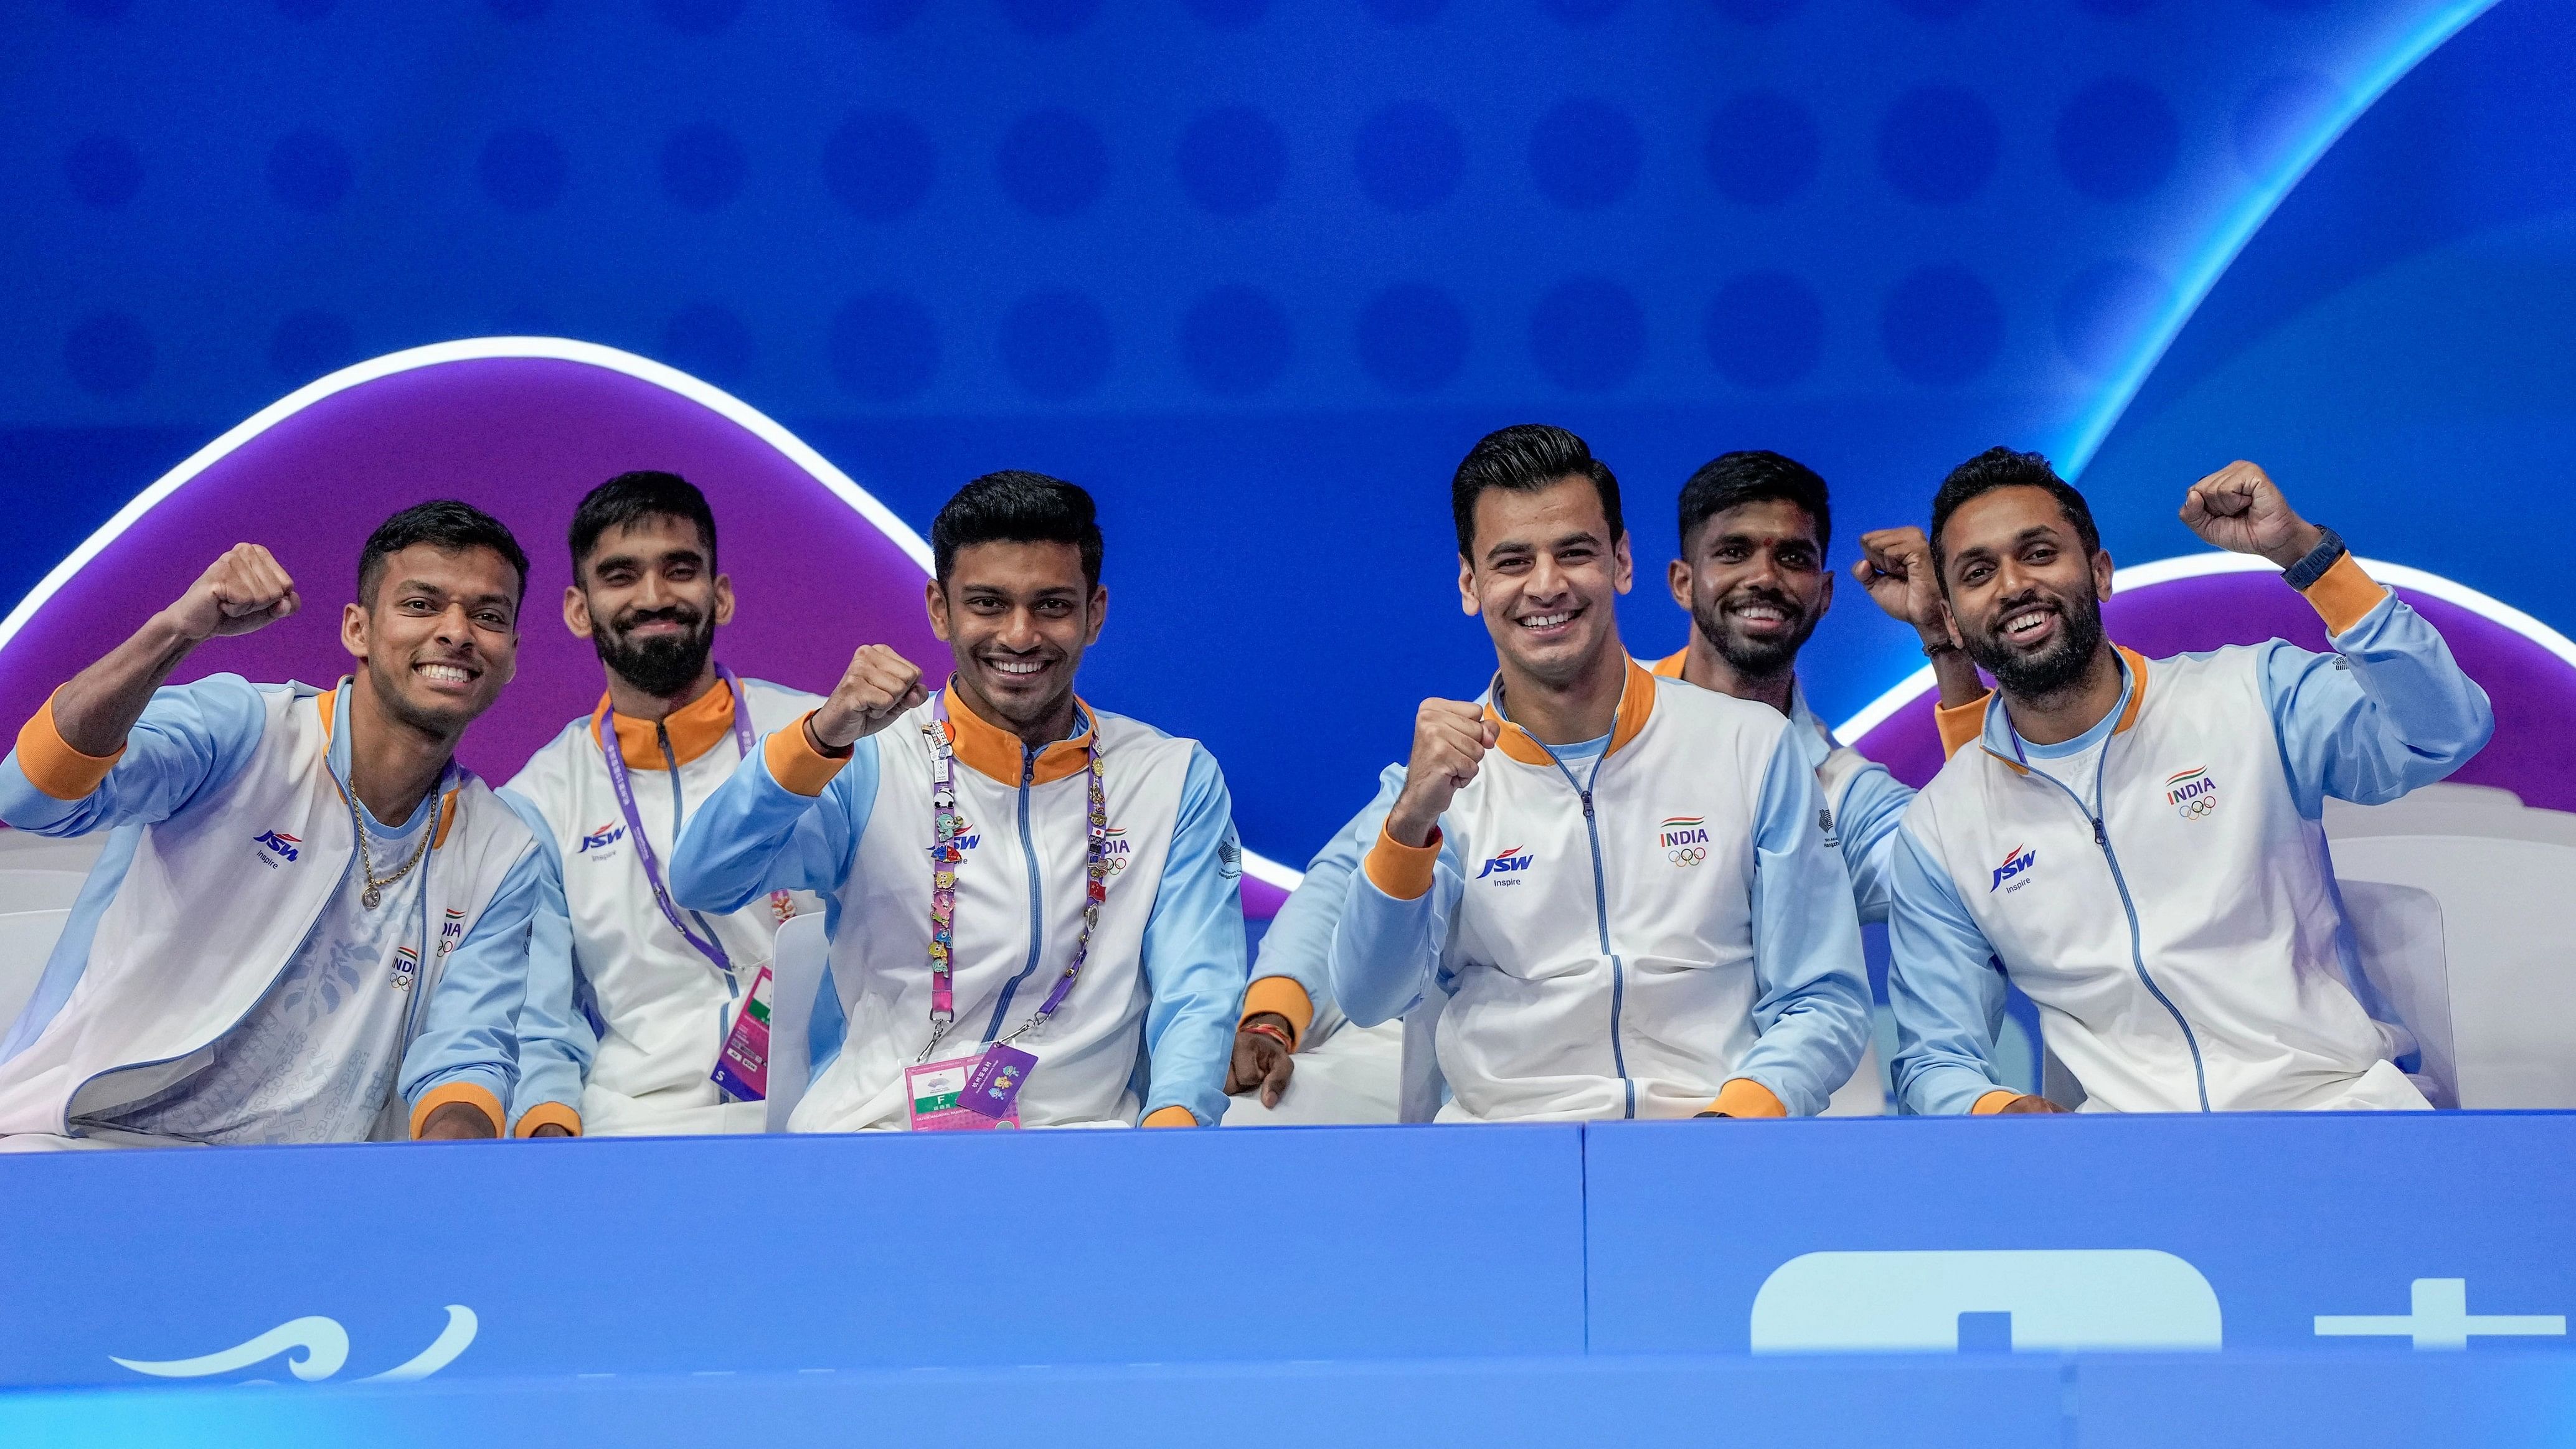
[(1998, 718), (695, 728), (1670, 666), (1636, 705), (991, 750)]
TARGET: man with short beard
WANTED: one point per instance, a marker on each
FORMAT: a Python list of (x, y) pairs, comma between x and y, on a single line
[(2136, 843), (656, 990)]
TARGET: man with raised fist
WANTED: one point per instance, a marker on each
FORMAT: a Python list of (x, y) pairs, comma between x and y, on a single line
[(1036, 911), (1621, 884), (2136, 842), (311, 924)]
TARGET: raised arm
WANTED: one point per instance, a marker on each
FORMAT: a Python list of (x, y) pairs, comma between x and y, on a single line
[(1395, 916), (1811, 1013), (1193, 956)]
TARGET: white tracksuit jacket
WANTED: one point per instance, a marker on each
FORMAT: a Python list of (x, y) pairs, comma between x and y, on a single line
[(1149, 1027), (232, 833), (628, 1052), (2176, 919), (1639, 936)]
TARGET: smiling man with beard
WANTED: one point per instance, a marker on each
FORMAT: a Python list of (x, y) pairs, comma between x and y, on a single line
[(631, 1046), (309, 923), (1619, 886), (1036, 908), (2136, 843)]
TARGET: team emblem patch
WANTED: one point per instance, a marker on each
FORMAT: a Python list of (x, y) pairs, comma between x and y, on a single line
[(2192, 793), (279, 843), (1683, 839), (1506, 861), (1114, 851), (2015, 866), (406, 967)]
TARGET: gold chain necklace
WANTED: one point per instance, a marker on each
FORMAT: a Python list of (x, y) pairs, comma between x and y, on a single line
[(374, 895)]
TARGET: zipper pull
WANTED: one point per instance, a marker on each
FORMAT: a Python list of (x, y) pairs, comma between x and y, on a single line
[(2098, 838), (1028, 769), (1587, 804)]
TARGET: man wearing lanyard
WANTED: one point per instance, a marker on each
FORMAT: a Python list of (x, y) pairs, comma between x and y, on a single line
[(1621, 885), (655, 991), (2136, 843), (1023, 889), (309, 924)]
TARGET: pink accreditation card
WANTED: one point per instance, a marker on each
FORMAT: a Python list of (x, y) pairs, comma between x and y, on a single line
[(742, 1068), (934, 1096)]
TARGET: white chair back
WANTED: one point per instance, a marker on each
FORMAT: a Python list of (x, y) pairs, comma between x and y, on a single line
[(2406, 977), (796, 979), (26, 940)]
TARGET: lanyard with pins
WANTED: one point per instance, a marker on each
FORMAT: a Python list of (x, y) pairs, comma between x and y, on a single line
[(618, 782), (946, 855)]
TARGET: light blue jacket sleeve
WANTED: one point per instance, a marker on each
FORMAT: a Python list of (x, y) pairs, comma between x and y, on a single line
[(2387, 712), (1865, 824), (556, 1042), (469, 1026), (754, 835), (1386, 952), (1811, 1008), (1299, 943), (1944, 985), (191, 740), (1193, 951)]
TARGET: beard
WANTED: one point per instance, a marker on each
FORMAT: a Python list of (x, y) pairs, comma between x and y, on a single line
[(2062, 664), (1755, 658), (660, 667)]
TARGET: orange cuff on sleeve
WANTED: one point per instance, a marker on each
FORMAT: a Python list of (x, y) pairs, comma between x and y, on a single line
[(1745, 1097), (1961, 724), (547, 1114), (795, 763), (2341, 596), (1284, 996), (52, 765), (1170, 1117), (1993, 1102), (437, 1097), (1402, 871)]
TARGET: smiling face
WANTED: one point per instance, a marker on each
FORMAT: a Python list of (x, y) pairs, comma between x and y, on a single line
[(2027, 597), (439, 638), (1546, 574), (1018, 616), (649, 599), (1755, 582)]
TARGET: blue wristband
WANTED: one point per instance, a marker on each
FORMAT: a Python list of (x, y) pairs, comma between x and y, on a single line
[(2321, 558)]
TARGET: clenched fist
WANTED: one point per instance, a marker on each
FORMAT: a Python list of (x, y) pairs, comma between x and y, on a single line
[(878, 685), (1896, 567), (245, 590), (2239, 509), (1450, 738)]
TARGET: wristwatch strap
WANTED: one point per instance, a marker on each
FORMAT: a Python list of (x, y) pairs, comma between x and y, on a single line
[(2321, 558)]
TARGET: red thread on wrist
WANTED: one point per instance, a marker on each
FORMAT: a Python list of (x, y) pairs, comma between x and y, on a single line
[(1263, 1028)]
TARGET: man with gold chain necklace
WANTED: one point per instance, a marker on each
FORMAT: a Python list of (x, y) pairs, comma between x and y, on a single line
[(1034, 905)]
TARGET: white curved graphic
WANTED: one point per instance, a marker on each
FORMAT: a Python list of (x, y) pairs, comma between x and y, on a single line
[(2201, 565), (561, 349), (2057, 1301), (324, 1341), (325, 1346)]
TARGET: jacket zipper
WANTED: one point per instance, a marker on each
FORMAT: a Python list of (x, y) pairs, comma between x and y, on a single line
[(1601, 919), (2137, 937), (1037, 902)]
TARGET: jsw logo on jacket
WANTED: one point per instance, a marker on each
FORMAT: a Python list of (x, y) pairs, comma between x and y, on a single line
[(2173, 913), (634, 1052), (215, 895)]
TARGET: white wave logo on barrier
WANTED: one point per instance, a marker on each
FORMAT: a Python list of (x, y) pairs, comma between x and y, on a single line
[(2094, 1298), (325, 1349)]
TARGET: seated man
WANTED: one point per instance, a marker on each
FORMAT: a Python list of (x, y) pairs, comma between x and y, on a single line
[(310, 924), (2136, 842), (1621, 884), (664, 986), (1054, 884)]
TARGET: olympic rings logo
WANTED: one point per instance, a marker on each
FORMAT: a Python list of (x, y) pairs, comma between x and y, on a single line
[(2197, 809), (1687, 855)]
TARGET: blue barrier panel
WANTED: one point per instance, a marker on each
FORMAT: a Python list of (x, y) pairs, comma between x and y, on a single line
[(783, 1254), (2316, 1233)]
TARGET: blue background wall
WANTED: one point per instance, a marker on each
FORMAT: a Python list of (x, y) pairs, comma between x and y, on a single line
[(1258, 273)]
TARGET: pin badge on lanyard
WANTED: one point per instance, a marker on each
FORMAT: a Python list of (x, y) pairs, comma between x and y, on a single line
[(982, 1091), (742, 1067)]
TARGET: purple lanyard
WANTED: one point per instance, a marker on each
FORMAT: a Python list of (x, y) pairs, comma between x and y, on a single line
[(946, 855), (625, 788)]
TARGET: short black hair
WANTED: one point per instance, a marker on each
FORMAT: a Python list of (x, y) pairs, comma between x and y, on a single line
[(1016, 506), (1526, 458), (629, 499), (2001, 467), (444, 524), (1731, 480)]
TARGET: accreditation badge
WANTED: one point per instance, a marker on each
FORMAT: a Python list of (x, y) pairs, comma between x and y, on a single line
[(742, 1068), (935, 1094)]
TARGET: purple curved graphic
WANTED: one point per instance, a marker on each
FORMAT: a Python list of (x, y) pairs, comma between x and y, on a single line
[(2534, 690)]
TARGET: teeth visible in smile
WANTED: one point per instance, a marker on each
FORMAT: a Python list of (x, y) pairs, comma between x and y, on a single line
[(1544, 621), (1762, 611), (2025, 623), (1019, 666), (446, 673)]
